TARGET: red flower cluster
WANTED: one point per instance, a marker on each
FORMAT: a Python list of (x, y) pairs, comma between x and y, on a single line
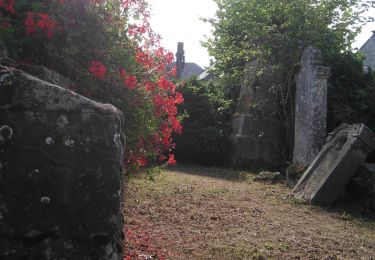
[(129, 80), (146, 60), (171, 160), (98, 69), (136, 161), (8, 5), (45, 23)]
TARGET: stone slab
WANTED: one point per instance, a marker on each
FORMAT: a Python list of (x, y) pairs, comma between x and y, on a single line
[(327, 176)]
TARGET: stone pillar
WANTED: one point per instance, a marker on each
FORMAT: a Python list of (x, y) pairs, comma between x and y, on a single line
[(257, 132), (180, 59), (310, 107), (60, 172)]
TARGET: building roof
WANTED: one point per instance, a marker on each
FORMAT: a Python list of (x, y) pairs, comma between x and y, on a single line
[(207, 74), (368, 50), (190, 69), (368, 40)]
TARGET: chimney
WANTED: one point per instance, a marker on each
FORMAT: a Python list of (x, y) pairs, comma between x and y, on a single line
[(180, 59)]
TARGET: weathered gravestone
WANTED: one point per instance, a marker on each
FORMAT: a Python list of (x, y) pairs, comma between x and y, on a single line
[(325, 179), (256, 135), (60, 172), (310, 107)]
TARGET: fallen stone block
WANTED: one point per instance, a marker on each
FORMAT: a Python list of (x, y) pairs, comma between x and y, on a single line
[(60, 172), (329, 173)]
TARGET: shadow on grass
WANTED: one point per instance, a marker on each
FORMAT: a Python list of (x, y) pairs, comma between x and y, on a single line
[(214, 172), (346, 210), (353, 210)]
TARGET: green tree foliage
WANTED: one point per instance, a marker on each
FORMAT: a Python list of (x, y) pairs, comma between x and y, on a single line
[(351, 91), (278, 32), (205, 139)]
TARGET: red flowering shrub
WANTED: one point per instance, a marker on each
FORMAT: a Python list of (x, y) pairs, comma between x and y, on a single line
[(112, 60), (98, 69)]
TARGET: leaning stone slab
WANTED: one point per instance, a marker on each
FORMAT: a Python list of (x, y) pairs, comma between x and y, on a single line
[(60, 172), (325, 179)]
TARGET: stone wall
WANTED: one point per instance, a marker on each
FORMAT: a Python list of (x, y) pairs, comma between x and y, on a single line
[(60, 172)]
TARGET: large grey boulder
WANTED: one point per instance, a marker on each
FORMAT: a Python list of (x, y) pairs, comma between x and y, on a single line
[(48, 75), (327, 176), (310, 107), (257, 131), (60, 172)]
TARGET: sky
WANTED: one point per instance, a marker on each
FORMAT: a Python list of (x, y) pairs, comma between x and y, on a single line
[(178, 21)]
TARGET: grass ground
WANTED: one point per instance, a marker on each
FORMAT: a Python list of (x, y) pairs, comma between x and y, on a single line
[(204, 213)]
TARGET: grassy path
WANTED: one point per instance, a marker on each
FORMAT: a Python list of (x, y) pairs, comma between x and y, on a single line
[(202, 213)]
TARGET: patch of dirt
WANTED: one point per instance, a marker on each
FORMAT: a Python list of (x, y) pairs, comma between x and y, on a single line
[(205, 213)]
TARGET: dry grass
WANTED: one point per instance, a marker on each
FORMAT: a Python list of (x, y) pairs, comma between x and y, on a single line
[(201, 213)]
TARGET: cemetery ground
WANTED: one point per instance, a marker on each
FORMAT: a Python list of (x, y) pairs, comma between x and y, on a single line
[(208, 213)]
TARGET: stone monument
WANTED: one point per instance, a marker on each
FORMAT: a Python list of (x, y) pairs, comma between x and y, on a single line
[(257, 131), (310, 107)]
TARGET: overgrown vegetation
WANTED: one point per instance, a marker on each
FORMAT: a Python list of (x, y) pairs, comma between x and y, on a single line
[(109, 50), (207, 127), (351, 92), (278, 32)]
